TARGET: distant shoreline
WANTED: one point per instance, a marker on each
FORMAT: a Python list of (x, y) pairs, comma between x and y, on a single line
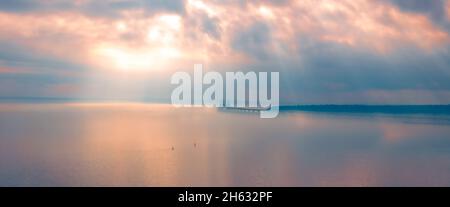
[(386, 109), (326, 108)]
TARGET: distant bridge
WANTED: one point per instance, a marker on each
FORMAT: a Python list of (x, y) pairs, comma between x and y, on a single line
[(245, 109)]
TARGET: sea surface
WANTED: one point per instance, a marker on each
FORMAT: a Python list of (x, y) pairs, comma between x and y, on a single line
[(132, 144)]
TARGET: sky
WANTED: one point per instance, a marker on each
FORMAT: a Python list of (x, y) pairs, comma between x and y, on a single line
[(327, 52)]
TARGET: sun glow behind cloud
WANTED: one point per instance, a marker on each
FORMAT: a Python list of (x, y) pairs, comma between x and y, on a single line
[(110, 38), (159, 48), (137, 36), (136, 60)]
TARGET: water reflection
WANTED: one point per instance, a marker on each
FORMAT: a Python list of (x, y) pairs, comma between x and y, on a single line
[(158, 145)]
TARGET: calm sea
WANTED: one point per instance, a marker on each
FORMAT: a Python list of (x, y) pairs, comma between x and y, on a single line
[(131, 144)]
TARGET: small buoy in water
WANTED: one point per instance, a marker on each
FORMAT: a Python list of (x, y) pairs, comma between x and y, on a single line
[(173, 148)]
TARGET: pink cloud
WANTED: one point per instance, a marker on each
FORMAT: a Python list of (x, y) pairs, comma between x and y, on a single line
[(138, 37)]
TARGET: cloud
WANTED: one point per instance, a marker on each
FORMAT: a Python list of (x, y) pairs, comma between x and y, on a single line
[(106, 8), (327, 51), (211, 26), (435, 10), (113, 8), (253, 41), (33, 6), (14, 55), (329, 72)]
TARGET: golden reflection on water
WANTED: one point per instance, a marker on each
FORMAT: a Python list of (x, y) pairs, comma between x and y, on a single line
[(153, 146), (131, 144)]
